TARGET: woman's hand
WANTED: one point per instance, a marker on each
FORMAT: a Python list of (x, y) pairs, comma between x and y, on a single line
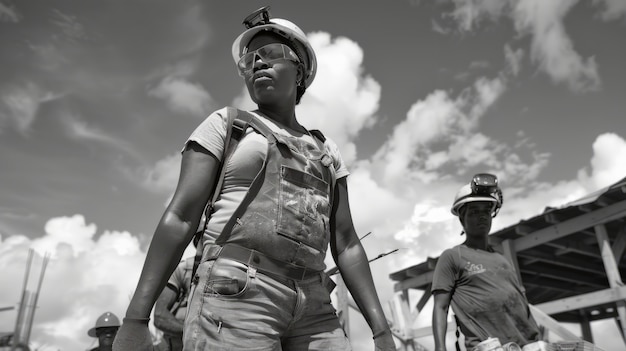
[(384, 342), (133, 335)]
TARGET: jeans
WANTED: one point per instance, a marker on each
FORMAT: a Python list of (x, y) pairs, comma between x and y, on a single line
[(234, 307)]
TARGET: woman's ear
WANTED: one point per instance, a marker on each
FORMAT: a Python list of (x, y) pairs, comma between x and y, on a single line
[(300, 74)]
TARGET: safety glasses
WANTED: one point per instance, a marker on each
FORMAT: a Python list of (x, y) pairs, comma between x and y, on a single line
[(267, 53)]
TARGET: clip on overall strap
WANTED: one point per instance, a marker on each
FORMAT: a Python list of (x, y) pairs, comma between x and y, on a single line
[(321, 143)]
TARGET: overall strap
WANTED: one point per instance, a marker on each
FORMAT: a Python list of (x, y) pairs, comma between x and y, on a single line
[(254, 188), (235, 129), (236, 126)]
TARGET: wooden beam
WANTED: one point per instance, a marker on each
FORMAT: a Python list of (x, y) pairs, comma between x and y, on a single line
[(585, 326), (415, 282), (508, 246), (524, 229), (405, 308), (421, 303), (619, 245), (399, 305), (575, 247), (570, 226), (566, 262), (610, 265), (552, 325), (545, 285), (583, 300), (424, 299), (587, 207), (612, 272), (556, 274), (551, 218)]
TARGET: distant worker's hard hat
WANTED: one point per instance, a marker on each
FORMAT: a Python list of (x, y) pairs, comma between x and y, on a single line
[(482, 188), (260, 21), (106, 320)]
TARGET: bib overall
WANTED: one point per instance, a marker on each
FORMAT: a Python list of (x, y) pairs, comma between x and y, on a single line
[(262, 286)]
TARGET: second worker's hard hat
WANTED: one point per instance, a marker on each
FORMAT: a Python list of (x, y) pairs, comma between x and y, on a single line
[(106, 320), (483, 188)]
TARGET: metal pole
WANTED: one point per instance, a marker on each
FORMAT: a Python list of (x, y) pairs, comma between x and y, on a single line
[(20, 311), (35, 297)]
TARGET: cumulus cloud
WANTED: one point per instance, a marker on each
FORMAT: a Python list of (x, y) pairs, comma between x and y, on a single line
[(163, 176), (513, 59), (414, 148), (607, 163), (183, 96), (551, 47), (611, 9), (80, 130), (8, 13), (89, 273), (19, 105), (342, 100), (69, 25)]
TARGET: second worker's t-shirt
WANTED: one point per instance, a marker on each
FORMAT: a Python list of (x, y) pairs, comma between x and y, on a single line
[(487, 297)]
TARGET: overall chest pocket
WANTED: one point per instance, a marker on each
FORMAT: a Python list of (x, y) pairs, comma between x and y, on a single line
[(303, 208)]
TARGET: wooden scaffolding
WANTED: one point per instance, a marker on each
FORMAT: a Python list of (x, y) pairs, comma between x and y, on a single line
[(569, 259)]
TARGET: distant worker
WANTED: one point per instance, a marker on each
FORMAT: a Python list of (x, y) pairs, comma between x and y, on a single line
[(487, 297), (171, 306), (105, 330)]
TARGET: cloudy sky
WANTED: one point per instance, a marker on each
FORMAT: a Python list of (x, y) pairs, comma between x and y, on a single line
[(97, 98)]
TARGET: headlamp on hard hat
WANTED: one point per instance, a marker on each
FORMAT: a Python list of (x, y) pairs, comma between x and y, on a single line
[(257, 18), (486, 184)]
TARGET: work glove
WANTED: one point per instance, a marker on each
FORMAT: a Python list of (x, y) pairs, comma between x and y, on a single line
[(384, 342), (133, 335)]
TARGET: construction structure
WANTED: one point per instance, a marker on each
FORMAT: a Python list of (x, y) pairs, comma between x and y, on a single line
[(569, 259), (19, 339)]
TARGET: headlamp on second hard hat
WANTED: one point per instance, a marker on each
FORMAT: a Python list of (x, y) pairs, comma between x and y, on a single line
[(484, 184)]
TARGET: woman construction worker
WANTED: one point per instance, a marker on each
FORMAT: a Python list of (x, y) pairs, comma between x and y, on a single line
[(482, 286), (282, 200)]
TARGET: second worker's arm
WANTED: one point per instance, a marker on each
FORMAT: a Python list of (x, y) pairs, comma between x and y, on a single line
[(440, 318), (164, 319), (353, 264)]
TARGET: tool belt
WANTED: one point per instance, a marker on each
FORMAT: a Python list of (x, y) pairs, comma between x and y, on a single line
[(260, 261)]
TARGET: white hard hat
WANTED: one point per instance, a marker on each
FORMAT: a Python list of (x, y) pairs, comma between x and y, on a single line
[(287, 30), (466, 195)]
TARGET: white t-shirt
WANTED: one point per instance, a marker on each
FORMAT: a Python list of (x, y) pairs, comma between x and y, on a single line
[(245, 162)]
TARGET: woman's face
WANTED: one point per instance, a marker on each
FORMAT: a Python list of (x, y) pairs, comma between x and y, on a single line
[(272, 82), (477, 218)]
